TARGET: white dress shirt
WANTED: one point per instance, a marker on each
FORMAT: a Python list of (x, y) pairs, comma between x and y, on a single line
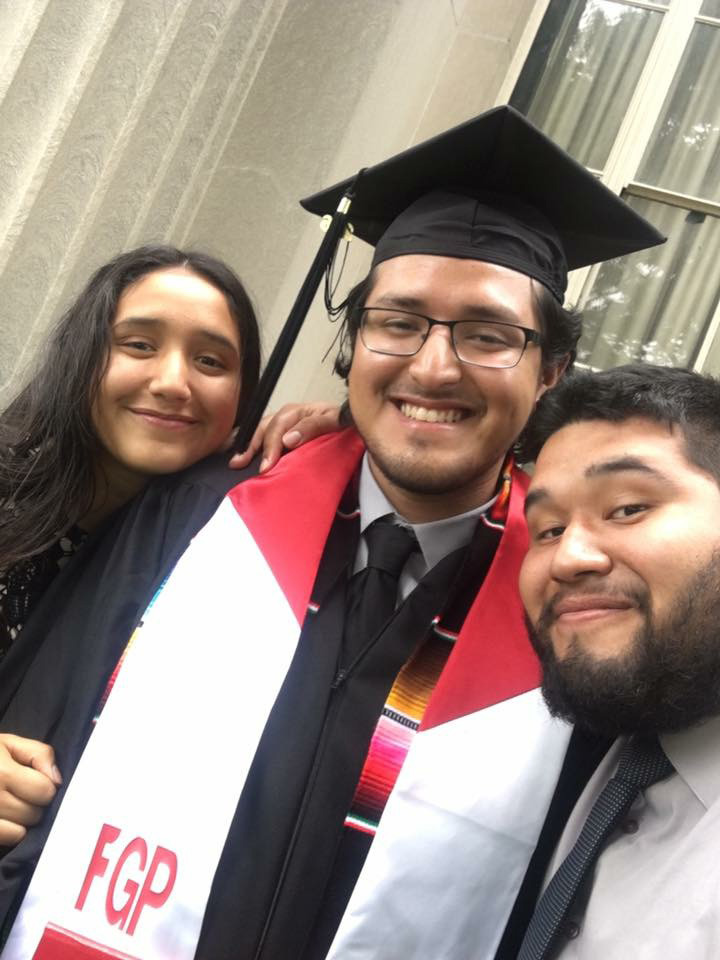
[(436, 539), (655, 891)]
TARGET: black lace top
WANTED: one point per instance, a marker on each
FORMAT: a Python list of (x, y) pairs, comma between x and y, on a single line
[(24, 583)]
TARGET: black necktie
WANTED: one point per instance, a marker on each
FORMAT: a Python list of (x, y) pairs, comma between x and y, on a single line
[(372, 592), (642, 763)]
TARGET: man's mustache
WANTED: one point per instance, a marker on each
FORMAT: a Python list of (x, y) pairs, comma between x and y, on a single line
[(592, 589)]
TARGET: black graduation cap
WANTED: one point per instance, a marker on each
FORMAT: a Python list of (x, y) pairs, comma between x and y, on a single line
[(493, 189)]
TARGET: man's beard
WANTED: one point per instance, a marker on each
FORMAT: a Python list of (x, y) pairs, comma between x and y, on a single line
[(415, 472), (668, 680), (414, 476)]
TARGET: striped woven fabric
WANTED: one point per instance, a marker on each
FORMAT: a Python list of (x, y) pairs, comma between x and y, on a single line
[(406, 704), (118, 666), (399, 722), (114, 675)]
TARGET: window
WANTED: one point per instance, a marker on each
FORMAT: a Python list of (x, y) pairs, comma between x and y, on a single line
[(630, 90)]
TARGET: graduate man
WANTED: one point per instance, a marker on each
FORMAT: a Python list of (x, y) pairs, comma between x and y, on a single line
[(621, 584), (326, 738)]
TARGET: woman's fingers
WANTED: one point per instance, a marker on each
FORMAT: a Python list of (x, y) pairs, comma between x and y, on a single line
[(292, 425), (28, 781)]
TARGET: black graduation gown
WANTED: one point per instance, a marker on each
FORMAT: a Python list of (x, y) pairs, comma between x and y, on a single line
[(287, 866), (55, 673)]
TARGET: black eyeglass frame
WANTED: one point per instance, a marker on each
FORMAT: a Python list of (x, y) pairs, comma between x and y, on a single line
[(531, 336)]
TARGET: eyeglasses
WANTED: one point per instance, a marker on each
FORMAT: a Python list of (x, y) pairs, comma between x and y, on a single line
[(484, 343)]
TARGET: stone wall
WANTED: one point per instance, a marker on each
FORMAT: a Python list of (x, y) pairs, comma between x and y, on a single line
[(202, 122)]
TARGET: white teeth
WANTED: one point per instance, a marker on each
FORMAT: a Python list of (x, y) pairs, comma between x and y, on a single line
[(430, 415)]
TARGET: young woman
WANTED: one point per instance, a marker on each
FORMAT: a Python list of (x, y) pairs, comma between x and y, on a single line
[(145, 375)]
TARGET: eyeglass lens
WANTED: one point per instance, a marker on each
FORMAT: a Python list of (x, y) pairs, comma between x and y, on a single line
[(476, 341)]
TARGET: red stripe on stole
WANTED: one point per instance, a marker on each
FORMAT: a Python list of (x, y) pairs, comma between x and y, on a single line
[(290, 509), (57, 943), (492, 659), (289, 512)]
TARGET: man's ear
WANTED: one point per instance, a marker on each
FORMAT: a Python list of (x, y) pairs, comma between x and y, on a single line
[(550, 375)]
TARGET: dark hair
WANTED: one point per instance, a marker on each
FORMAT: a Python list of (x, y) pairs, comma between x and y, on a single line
[(666, 395), (47, 440), (352, 315), (560, 327)]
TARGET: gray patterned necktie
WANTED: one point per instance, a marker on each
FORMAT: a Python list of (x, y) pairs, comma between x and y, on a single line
[(642, 763)]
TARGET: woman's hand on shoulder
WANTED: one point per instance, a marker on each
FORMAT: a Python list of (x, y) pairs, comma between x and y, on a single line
[(29, 780), (290, 427)]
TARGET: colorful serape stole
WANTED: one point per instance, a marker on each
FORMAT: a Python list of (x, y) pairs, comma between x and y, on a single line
[(118, 666), (396, 727), (114, 675), (406, 703)]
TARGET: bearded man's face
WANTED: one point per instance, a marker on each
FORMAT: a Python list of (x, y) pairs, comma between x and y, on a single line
[(621, 583)]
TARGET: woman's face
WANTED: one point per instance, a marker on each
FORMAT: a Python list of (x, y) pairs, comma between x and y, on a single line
[(169, 395)]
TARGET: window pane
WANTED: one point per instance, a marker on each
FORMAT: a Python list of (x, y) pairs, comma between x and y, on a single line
[(712, 361), (655, 305), (684, 150), (710, 8), (582, 92)]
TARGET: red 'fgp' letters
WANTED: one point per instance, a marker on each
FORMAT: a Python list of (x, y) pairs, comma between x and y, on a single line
[(155, 898), (137, 846), (98, 863), (148, 895)]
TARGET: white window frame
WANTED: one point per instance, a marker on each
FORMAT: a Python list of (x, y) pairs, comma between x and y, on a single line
[(640, 119)]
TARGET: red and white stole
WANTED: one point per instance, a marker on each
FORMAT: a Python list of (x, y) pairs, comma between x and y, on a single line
[(461, 824), (128, 865)]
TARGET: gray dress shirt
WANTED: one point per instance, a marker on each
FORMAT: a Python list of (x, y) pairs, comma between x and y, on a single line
[(436, 539), (655, 892)]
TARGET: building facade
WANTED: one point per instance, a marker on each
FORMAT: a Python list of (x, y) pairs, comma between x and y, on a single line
[(202, 122)]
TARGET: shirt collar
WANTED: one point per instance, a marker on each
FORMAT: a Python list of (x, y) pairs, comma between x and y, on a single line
[(694, 755), (437, 538)]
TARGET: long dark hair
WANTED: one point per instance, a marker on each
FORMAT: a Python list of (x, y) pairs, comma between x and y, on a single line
[(47, 441)]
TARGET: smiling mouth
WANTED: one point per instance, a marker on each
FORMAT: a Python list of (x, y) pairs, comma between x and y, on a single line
[(580, 609), (166, 419), (431, 414), (590, 613)]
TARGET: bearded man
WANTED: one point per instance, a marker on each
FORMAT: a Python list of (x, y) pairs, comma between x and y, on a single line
[(622, 590)]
